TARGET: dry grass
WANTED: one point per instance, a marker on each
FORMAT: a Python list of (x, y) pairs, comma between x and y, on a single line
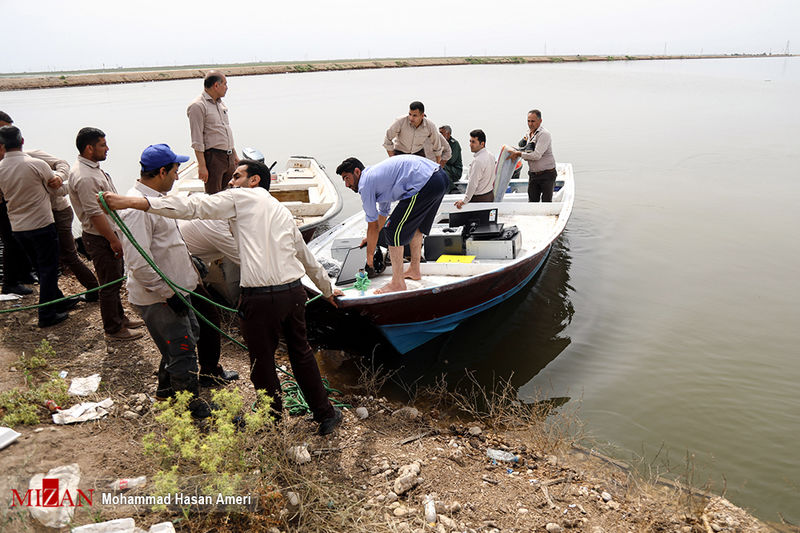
[(548, 425)]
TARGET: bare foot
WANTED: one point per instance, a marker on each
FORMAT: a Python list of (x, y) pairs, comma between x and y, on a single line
[(412, 273), (391, 287)]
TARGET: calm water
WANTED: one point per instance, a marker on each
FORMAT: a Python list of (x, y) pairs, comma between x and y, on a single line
[(669, 309)]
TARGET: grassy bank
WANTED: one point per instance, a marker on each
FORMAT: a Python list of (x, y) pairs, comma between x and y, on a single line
[(43, 80)]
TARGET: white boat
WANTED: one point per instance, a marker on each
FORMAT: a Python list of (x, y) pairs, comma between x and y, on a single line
[(304, 187), (450, 292)]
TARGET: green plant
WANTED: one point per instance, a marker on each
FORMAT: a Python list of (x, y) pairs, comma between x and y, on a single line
[(214, 460), (45, 349), (26, 406)]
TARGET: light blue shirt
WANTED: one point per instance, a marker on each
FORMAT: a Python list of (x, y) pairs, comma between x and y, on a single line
[(392, 180)]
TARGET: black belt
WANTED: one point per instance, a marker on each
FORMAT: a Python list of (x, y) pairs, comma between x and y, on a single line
[(542, 172), (228, 152), (272, 288)]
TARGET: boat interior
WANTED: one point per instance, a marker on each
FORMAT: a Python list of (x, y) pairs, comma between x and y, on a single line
[(535, 222), (300, 188)]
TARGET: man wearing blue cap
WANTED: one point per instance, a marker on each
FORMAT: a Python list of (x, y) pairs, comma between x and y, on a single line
[(172, 325)]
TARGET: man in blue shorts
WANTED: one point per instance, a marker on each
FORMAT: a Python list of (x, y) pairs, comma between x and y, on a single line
[(418, 184)]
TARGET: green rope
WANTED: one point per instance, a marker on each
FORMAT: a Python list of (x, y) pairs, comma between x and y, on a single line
[(295, 397), (296, 403), (362, 282), (51, 302)]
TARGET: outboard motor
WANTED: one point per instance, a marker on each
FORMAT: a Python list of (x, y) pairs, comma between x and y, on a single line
[(252, 153)]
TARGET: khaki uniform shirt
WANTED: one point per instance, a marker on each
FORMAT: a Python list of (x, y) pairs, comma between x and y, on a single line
[(480, 175), (86, 179), (209, 239), (60, 168), (542, 156), (447, 152), (23, 183), (161, 239), (402, 136), (208, 124), (271, 248)]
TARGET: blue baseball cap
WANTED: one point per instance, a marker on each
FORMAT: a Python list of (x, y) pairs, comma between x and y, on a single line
[(156, 156)]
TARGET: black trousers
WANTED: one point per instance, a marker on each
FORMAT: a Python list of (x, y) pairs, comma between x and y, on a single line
[(264, 318), (541, 185), (42, 245), (16, 265), (208, 339)]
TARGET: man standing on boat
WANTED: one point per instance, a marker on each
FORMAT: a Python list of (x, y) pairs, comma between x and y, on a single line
[(537, 145), (418, 185), (86, 179), (481, 171), (273, 258), (408, 134), (212, 137), (453, 167)]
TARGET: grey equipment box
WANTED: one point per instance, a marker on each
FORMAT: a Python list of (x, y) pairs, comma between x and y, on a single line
[(506, 246), (340, 247), (443, 240)]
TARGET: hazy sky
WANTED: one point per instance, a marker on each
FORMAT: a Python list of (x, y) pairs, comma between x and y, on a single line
[(81, 34)]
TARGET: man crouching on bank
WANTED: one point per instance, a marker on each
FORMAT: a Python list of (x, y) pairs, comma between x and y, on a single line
[(419, 185)]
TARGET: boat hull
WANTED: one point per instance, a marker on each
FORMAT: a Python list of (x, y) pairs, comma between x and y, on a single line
[(450, 310)]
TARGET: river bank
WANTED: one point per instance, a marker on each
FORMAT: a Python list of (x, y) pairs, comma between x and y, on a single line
[(14, 82), (375, 473)]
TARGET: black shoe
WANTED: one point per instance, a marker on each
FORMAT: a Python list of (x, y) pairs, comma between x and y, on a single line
[(91, 297), (68, 304), (52, 321), (222, 378), (30, 279), (329, 424), (22, 290), (200, 408)]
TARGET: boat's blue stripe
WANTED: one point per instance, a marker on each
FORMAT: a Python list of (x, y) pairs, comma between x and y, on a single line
[(406, 337)]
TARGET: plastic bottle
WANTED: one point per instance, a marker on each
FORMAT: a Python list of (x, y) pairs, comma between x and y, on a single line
[(128, 483), (51, 405), (430, 509), (501, 455), (362, 282)]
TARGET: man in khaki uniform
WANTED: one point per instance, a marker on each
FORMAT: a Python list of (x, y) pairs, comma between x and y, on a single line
[(408, 135), (63, 215), (27, 184), (212, 137), (86, 179)]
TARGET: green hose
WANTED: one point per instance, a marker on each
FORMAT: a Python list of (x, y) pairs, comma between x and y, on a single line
[(294, 397), (51, 302)]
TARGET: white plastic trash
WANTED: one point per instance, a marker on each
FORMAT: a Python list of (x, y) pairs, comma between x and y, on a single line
[(120, 525), (83, 412), (501, 455), (128, 483), (84, 386), (7, 436)]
